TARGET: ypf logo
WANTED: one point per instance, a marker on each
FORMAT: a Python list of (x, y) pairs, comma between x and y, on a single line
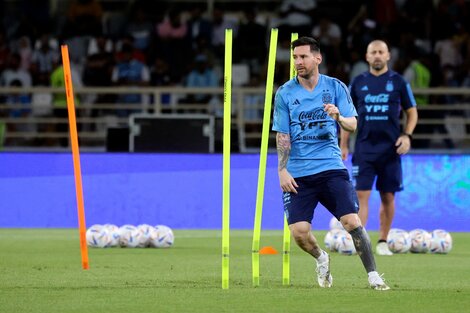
[(377, 108)]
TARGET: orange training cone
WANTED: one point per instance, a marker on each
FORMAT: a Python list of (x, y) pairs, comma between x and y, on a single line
[(268, 250)]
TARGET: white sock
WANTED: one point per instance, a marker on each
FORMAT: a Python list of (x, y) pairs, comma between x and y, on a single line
[(323, 257), (373, 273)]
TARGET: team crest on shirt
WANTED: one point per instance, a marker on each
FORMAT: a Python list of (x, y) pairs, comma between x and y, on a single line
[(326, 97), (389, 86)]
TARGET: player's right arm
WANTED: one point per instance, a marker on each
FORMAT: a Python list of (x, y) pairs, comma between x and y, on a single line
[(286, 180)]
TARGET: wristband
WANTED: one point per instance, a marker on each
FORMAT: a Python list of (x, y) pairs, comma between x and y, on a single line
[(407, 134)]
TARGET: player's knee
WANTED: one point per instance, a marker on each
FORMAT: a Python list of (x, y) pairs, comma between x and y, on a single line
[(300, 235), (350, 221)]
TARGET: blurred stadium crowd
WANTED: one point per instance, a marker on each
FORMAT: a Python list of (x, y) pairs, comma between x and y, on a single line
[(181, 43)]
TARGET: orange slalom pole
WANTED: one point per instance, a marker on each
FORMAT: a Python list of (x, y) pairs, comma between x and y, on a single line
[(76, 155)]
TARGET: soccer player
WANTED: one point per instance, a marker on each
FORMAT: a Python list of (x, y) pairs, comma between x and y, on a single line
[(378, 95), (308, 109)]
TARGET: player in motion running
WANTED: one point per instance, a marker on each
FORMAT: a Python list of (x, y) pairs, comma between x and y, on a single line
[(378, 95), (307, 111)]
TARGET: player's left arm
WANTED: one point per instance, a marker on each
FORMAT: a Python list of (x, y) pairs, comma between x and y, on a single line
[(403, 142), (349, 124)]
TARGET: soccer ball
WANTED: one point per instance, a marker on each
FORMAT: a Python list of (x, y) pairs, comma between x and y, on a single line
[(161, 237), (398, 241), (144, 236), (128, 236), (335, 224), (97, 236), (441, 242), (344, 243), (420, 240), (113, 231), (330, 239)]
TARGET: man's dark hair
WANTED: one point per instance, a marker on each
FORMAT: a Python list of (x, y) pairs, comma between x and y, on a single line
[(306, 41)]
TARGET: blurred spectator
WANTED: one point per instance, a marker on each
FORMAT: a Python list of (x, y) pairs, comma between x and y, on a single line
[(171, 42), (23, 47), (59, 100), (99, 66), (361, 30), (201, 76), (100, 44), (358, 65), (19, 103), (251, 42), (97, 72), (20, 108), (198, 27), (202, 46), (419, 76), (128, 40), (83, 18), (141, 28), (221, 22), (172, 26), (297, 17), (283, 56), (254, 103), (14, 72), (448, 51), (160, 75), (130, 73), (43, 61), (328, 34)]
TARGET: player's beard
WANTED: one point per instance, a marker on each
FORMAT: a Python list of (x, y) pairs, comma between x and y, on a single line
[(378, 65), (305, 73)]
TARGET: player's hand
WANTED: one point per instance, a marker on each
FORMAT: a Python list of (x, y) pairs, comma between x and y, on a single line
[(403, 144), (287, 182), (344, 153), (332, 111)]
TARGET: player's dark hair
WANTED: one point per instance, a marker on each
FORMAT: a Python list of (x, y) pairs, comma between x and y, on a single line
[(306, 41)]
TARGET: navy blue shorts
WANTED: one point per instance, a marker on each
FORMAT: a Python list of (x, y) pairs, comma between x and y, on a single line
[(333, 189), (386, 168)]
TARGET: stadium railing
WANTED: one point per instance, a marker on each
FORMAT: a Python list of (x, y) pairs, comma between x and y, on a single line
[(28, 122)]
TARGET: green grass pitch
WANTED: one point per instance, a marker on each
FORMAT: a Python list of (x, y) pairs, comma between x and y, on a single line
[(40, 271)]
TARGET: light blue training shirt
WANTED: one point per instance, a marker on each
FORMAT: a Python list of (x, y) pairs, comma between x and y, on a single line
[(314, 135)]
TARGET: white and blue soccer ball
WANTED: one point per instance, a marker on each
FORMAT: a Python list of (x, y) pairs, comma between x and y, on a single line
[(344, 243), (161, 237), (398, 240), (330, 239), (335, 224), (113, 231), (97, 236), (144, 237), (420, 240), (441, 242), (129, 236)]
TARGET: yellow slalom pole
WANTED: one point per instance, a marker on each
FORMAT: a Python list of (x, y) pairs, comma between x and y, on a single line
[(286, 235), (226, 159), (76, 155), (263, 156)]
